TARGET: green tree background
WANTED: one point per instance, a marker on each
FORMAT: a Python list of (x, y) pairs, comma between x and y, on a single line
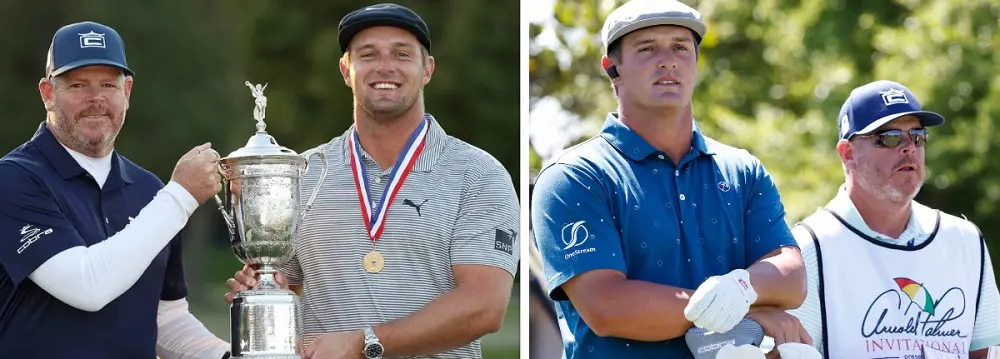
[(773, 74), (192, 58)]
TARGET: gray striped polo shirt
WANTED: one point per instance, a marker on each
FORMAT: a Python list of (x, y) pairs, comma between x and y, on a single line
[(457, 206)]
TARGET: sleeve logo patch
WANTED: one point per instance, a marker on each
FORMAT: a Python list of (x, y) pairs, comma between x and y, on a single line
[(504, 241), (574, 235), (29, 235)]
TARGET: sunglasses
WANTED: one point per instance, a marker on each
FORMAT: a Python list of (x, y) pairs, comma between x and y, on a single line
[(894, 138)]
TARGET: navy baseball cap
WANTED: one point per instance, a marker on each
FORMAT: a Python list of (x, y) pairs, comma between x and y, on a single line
[(387, 14), (877, 103), (84, 44)]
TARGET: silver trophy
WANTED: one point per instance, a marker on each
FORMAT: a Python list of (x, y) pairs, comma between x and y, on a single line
[(262, 211)]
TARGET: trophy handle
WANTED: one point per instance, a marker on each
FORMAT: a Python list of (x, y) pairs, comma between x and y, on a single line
[(222, 206), (319, 183)]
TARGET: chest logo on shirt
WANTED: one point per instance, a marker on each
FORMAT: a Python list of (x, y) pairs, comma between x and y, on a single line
[(907, 317), (724, 186), (416, 206), (29, 235)]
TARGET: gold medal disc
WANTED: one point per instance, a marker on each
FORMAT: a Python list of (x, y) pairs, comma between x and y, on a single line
[(374, 262)]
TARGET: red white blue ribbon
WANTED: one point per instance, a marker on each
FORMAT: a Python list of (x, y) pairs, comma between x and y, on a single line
[(374, 215)]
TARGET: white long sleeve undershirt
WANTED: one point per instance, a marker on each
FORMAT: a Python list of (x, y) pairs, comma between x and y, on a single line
[(182, 336), (88, 278)]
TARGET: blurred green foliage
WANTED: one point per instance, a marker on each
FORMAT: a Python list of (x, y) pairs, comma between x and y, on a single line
[(192, 58), (773, 75)]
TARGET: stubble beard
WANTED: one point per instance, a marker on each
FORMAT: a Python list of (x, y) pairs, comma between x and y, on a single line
[(67, 131), (388, 113), (878, 184)]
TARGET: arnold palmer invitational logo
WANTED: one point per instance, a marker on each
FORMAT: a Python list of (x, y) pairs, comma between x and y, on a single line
[(905, 318)]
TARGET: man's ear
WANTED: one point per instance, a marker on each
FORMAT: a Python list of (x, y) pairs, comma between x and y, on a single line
[(45, 89), (609, 67), (846, 151), (128, 90), (428, 70), (345, 71)]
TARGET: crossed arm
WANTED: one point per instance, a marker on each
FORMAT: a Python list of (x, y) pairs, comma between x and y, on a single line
[(615, 306)]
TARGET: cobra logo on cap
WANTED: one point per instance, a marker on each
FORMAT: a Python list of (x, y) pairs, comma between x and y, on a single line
[(893, 96), (91, 39)]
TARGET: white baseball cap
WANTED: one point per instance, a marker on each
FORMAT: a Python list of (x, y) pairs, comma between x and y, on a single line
[(638, 14)]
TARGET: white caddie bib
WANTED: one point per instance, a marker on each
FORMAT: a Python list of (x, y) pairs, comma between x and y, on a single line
[(880, 300)]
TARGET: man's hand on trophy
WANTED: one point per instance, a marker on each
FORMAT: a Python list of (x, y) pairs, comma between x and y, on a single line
[(198, 172), (247, 279)]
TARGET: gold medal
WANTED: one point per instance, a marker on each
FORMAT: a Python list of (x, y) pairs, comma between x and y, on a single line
[(374, 214), (374, 262)]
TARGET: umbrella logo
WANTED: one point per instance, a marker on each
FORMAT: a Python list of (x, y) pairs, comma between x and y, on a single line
[(917, 293)]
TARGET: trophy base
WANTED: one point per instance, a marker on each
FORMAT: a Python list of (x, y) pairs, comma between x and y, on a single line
[(265, 324)]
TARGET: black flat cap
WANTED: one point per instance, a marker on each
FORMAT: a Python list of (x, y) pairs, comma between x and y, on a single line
[(386, 14)]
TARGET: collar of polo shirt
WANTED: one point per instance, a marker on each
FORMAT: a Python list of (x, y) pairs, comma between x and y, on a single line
[(66, 166), (635, 147), (432, 149)]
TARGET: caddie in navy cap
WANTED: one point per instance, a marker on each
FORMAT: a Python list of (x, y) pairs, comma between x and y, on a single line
[(874, 104), (70, 197), (84, 44), (387, 14), (874, 235)]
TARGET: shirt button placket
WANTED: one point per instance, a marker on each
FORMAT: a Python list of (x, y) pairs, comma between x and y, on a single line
[(683, 211), (104, 213)]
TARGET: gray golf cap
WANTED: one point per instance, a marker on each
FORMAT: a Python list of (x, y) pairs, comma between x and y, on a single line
[(638, 14)]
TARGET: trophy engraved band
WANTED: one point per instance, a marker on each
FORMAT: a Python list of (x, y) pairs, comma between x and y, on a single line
[(261, 207)]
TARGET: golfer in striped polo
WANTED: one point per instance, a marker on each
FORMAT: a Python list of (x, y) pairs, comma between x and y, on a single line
[(411, 245)]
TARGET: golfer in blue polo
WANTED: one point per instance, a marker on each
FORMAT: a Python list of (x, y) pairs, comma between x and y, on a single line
[(90, 255), (651, 228)]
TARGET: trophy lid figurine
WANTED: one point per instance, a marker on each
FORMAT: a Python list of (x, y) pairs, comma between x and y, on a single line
[(262, 211), (262, 144)]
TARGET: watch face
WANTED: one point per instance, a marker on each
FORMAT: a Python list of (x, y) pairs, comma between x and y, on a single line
[(373, 350)]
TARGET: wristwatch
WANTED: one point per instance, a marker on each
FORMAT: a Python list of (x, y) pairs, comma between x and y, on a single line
[(373, 348)]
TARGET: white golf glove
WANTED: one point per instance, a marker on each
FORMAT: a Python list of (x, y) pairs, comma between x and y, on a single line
[(798, 351), (745, 351), (721, 301)]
